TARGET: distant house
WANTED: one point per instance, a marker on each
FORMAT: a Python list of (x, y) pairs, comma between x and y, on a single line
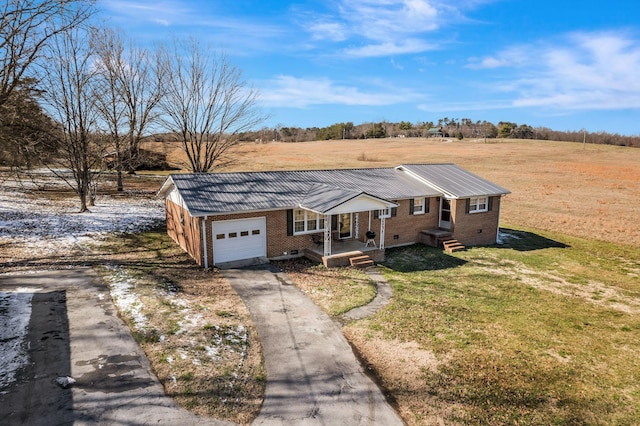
[(328, 215), (435, 132)]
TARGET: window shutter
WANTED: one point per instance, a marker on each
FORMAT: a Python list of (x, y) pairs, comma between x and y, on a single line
[(334, 222), (490, 205), (427, 201), (289, 222), (411, 204), (394, 210), (376, 214), (468, 205)]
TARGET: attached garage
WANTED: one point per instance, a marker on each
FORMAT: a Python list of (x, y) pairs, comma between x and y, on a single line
[(239, 239)]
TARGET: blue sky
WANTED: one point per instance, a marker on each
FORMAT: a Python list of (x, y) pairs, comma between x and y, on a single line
[(560, 64)]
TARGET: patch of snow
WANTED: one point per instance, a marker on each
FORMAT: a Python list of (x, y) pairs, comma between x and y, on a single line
[(121, 285), (504, 237), (47, 227), (65, 381), (15, 313)]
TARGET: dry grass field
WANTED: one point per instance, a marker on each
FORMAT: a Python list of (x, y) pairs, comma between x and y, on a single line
[(590, 191)]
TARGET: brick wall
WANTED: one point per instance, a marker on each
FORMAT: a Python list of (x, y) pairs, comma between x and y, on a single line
[(473, 229), (403, 228)]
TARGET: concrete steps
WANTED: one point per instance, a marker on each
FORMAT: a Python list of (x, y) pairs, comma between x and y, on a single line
[(361, 261), (452, 245)]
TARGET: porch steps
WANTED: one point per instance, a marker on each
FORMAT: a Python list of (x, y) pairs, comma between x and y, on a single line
[(362, 261), (452, 245)]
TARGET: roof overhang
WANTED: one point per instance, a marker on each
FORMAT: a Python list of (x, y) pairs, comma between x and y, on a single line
[(166, 187), (348, 202)]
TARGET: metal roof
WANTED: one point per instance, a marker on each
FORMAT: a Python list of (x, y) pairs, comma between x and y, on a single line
[(219, 193), (454, 181)]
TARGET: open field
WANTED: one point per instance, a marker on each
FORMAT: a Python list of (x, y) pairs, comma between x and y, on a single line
[(591, 191)]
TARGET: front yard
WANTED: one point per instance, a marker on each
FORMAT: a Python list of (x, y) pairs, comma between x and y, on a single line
[(538, 330)]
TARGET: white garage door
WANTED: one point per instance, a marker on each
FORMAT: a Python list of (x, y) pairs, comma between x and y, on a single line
[(239, 239)]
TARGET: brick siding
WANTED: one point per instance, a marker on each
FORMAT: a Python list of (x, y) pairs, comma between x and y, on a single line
[(475, 229), (404, 228)]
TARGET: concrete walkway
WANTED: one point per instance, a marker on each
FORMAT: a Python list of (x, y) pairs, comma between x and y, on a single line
[(313, 377), (383, 297), (74, 331)]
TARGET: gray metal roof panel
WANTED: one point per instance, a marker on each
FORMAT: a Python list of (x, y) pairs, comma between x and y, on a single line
[(455, 181), (387, 183), (214, 193)]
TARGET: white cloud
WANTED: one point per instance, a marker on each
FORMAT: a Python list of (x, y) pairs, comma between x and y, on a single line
[(581, 71), (159, 12), (289, 91), (390, 48), (333, 31), (381, 27)]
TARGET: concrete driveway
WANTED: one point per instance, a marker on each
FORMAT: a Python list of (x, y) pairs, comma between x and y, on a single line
[(313, 377), (73, 330)]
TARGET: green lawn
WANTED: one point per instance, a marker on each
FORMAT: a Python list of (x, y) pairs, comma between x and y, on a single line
[(538, 330)]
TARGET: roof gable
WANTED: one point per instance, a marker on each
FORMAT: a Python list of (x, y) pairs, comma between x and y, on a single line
[(330, 200)]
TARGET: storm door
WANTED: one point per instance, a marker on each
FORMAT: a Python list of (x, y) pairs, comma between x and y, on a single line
[(345, 222), (445, 213)]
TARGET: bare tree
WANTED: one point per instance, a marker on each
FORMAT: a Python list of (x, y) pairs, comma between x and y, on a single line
[(207, 104), (26, 28), (70, 95), (131, 89)]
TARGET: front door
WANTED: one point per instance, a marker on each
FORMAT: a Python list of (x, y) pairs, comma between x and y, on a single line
[(344, 225), (445, 214)]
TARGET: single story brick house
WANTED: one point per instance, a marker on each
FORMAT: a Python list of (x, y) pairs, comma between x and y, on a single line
[(328, 215)]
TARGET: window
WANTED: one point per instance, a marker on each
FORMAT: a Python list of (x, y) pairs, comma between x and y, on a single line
[(386, 213), (478, 205), (305, 221), (418, 206)]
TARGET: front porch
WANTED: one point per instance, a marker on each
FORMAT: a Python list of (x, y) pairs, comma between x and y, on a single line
[(342, 251)]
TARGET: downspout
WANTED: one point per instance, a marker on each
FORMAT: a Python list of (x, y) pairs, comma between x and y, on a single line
[(204, 242), (499, 211)]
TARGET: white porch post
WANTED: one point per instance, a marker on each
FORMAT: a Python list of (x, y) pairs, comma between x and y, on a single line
[(382, 222), (327, 235), (357, 225)]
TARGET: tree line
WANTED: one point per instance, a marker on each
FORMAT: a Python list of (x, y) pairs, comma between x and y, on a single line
[(444, 127), (73, 94)]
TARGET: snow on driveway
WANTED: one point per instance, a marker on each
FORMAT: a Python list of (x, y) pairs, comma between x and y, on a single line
[(15, 312)]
